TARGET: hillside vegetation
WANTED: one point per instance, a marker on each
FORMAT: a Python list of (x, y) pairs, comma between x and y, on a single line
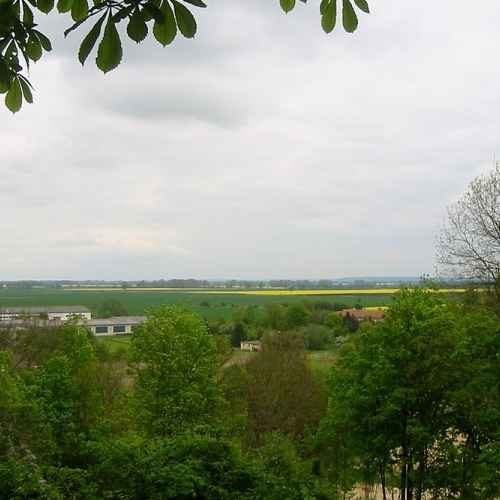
[(409, 405)]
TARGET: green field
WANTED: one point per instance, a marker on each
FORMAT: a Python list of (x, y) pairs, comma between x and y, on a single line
[(210, 304)]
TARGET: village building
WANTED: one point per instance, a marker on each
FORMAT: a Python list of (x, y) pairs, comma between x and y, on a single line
[(364, 314)]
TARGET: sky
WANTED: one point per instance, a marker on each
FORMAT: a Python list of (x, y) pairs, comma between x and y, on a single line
[(261, 149)]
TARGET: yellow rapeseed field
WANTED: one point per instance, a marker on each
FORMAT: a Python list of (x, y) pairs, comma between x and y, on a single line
[(273, 292)]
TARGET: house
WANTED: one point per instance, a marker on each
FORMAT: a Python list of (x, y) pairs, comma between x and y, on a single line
[(61, 313), (117, 325), (33, 322), (251, 345), (364, 314)]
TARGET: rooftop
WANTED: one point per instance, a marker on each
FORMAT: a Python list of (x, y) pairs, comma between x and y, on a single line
[(117, 320), (374, 314)]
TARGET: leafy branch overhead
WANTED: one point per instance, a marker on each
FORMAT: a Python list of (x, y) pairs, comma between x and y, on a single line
[(22, 43)]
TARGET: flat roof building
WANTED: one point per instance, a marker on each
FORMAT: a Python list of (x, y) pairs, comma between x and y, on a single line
[(117, 325), (61, 313)]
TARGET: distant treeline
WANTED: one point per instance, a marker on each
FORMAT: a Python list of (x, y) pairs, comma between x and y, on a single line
[(322, 284)]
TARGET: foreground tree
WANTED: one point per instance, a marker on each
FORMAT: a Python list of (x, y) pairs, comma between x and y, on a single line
[(21, 43), (282, 393), (469, 244), (408, 399), (176, 365)]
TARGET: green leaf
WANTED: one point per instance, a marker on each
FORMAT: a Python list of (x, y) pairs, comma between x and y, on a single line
[(166, 30), (33, 48), (27, 15), (90, 40), (349, 18), (5, 77), (79, 10), (72, 28), (137, 29), (185, 20), (363, 5), (287, 5), (123, 13), (43, 40), (64, 5), (323, 5), (109, 53), (14, 98), (196, 3), (329, 18), (151, 11), (45, 5), (28, 96)]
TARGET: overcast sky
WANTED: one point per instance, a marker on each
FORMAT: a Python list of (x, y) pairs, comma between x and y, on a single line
[(261, 149)]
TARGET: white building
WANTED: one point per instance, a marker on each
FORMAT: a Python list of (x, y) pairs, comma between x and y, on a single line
[(118, 325), (61, 313), (251, 345)]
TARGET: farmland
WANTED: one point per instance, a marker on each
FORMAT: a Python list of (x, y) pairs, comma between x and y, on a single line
[(209, 303)]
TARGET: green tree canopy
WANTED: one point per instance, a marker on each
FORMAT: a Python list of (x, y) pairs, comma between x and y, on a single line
[(414, 399), (176, 364)]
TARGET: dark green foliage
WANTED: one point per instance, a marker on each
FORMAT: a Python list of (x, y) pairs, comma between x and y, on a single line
[(109, 52), (287, 5), (165, 28), (176, 362), (198, 467), (296, 316), (350, 323), (137, 29), (417, 396), (328, 10), (414, 405), (19, 38), (185, 20), (282, 394), (317, 337), (111, 307), (90, 40)]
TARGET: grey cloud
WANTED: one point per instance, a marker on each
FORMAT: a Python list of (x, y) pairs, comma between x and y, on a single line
[(167, 97), (263, 148)]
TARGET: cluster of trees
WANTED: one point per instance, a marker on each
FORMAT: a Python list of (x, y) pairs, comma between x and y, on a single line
[(74, 423), (412, 404), (109, 308), (316, 321)]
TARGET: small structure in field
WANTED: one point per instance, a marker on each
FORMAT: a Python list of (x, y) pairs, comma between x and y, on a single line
[(251, 345), (364, 314)]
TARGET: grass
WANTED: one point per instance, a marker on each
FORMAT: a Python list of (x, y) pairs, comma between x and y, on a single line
[(116, 343), (321, 361)]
